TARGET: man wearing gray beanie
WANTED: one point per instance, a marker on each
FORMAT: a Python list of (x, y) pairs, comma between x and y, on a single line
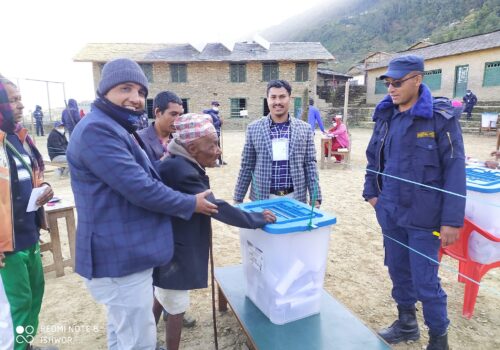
[(119, 71), (124, 210)]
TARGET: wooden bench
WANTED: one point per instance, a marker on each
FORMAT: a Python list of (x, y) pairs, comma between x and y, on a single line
[(334, 328), (55, 164), (51, 167), (58, 211)]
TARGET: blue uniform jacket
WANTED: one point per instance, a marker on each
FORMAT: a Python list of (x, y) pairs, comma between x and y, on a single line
[(124, 209), (432, 154)]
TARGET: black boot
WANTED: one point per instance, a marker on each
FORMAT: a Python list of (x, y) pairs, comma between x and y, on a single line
[(438, 342), (403, 329)]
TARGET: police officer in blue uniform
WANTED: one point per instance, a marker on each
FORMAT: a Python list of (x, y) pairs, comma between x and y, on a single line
[(416, 140)]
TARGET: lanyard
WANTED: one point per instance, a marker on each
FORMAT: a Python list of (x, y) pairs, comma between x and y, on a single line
[(20, 157)]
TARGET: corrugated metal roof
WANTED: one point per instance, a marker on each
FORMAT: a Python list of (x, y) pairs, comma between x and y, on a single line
[(449, 48), (242, 51), (329, 72), (214, 50)]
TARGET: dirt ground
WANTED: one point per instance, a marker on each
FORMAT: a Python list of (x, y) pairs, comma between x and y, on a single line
[(355, 272)]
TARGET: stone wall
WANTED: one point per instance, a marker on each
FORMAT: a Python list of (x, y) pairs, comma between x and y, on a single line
[(208, 81)]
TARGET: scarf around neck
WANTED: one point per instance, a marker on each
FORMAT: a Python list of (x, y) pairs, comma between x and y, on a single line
[(6, 116), (127, 118), (21, 132)]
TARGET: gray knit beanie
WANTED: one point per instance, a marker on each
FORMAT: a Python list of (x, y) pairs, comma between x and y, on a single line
[(121, 70)]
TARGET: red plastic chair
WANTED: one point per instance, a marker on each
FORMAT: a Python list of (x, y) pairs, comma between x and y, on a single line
[(474, 270)]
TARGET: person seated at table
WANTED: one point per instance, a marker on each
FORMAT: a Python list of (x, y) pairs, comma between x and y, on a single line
[(493, 164), (57, 144), (194, 148), (340, 138)]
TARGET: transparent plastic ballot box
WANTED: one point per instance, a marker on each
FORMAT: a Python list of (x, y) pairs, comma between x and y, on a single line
[(284, 263), (483, 208)]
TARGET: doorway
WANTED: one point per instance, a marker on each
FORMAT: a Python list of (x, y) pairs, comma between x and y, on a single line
[(461, 79), (185, 105)]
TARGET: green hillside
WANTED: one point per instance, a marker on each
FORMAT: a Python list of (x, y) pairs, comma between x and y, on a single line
[(351, 29)]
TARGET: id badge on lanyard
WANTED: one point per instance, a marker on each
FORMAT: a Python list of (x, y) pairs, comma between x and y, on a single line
[(280, 149)]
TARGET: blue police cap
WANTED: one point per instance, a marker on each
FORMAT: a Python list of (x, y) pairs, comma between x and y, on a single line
[(402, 65)]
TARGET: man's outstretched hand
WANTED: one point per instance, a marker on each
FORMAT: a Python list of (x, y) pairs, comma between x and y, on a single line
[(203, 206)]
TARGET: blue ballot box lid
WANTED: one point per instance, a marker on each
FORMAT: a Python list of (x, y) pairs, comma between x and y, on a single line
[(291, 215), (482, 179)]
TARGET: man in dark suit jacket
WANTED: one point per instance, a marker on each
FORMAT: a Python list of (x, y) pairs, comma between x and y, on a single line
[(166, 107), (193, 149), (124, 210)]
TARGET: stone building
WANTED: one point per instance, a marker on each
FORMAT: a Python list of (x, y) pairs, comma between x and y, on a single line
[(236, 77), (451, 68)]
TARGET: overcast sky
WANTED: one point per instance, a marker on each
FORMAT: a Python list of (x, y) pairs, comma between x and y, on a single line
[(40, 38)]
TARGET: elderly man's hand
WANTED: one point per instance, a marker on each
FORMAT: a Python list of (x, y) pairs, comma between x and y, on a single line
[(203, 206), (269, 216), (45, 197)]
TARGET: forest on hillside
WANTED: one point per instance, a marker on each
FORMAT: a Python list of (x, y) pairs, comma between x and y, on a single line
[(352, 29)]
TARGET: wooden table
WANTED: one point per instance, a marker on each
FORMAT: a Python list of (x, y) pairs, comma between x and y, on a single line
[(325, 142), (335, 327), (60, 210)]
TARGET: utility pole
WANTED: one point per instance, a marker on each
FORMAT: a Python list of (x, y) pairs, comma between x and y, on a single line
[(48, 94), (64, 93), (48, 99), (346, 102)]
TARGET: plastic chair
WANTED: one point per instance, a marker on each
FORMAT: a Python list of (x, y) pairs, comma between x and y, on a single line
[(472, 269)]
